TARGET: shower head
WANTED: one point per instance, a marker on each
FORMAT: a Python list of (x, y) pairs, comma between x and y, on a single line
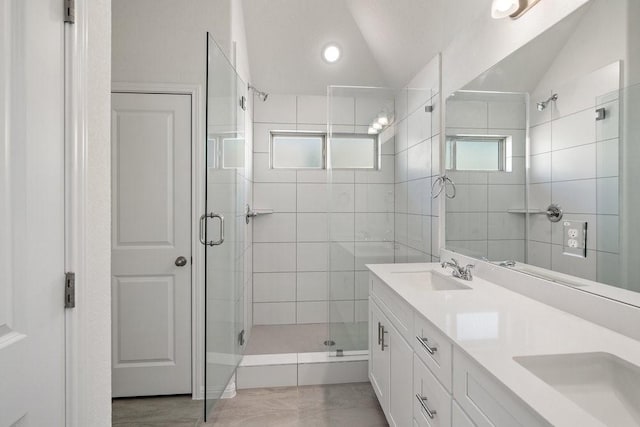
[(262, 96), (543, 104)]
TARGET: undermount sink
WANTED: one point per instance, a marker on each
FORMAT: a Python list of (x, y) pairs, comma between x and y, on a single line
[(602, 384), (432, 281)]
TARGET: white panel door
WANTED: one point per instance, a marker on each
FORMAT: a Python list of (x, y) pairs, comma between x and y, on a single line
[(151, 227), (32, 364)]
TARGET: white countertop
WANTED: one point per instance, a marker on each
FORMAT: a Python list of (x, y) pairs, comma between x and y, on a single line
[(493, 325)]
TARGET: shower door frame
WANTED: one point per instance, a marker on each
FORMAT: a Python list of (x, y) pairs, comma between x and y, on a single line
[(197, 205)]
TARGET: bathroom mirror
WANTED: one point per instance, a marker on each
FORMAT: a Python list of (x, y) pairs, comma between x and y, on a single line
[(542, 150)]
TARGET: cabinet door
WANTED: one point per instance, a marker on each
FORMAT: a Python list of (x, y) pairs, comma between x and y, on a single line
[(400, 378), (379, 357)]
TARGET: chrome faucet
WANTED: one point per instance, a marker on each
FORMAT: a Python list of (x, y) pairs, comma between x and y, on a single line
[(460, 272)]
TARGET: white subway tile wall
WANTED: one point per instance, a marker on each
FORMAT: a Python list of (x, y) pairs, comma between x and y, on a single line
[(417, 162), (311, 236)]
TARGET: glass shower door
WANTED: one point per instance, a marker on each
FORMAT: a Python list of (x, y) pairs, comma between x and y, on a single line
[(360, 190), (222, 226)]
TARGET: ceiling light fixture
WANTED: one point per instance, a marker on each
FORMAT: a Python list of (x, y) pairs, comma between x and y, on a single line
[(372, 131), (376, 126), (331, 53), (504, 8), (383, 119), (513, 9)]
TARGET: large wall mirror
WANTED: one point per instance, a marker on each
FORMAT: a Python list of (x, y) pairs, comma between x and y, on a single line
[(544, 153)]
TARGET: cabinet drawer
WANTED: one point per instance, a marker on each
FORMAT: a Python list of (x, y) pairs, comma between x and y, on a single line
[(485, 400), (458, 417), (429, 395), (395, 308), (434, 349)]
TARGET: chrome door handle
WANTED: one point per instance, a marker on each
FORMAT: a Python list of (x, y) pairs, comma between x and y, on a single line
[(423, 402), (203, 229), (425, 344), (181, 261)]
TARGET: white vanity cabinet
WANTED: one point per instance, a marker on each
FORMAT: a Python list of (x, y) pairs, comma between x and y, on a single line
[(423, 379), (390, 365), (431, 401), (485, 400), (379, 360)]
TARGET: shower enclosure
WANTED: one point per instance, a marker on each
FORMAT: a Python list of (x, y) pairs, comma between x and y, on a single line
[(222, 227)]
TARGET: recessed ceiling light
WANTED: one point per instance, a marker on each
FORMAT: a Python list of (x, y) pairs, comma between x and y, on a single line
[(331, 53)]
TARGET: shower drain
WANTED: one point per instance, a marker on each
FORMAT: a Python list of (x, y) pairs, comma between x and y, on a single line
[(329, 343)]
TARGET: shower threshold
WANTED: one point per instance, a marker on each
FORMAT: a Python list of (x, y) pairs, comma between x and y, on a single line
[(297, 369)]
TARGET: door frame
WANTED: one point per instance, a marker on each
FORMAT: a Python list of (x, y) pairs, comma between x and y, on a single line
[(197, 207)]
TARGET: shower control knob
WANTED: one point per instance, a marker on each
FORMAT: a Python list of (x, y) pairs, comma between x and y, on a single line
[(181, 261)]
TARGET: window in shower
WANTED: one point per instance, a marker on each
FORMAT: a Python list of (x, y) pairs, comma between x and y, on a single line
[(299, 150), (354, 151), (478, 153), (233, 150), (305, 150)]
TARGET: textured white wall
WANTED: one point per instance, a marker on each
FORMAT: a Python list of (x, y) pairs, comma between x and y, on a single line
[(165, 40), (487, 41)]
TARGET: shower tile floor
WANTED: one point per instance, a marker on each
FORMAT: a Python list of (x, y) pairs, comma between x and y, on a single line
[(308, 338), (348, 405)]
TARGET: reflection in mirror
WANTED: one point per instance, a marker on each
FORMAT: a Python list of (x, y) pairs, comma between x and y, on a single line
[(562, 111), (485, 149)]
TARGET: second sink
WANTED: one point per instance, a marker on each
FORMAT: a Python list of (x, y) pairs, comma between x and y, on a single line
[(602, 384)]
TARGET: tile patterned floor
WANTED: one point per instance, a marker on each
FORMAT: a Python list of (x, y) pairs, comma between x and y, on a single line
[(164, 411), (348, 405)]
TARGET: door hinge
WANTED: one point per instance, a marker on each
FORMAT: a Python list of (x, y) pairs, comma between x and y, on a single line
[(70, 11), (69, 290)]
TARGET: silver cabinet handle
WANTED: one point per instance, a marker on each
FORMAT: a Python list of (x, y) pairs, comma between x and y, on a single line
[(203, 228), (382, 344), (423, 402), (379, 333), (425, 343)]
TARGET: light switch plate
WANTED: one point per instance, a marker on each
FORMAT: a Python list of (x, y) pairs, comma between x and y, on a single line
[(574, 240)]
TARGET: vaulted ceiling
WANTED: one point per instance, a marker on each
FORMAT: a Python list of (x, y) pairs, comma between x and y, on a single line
[(384, 42)]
